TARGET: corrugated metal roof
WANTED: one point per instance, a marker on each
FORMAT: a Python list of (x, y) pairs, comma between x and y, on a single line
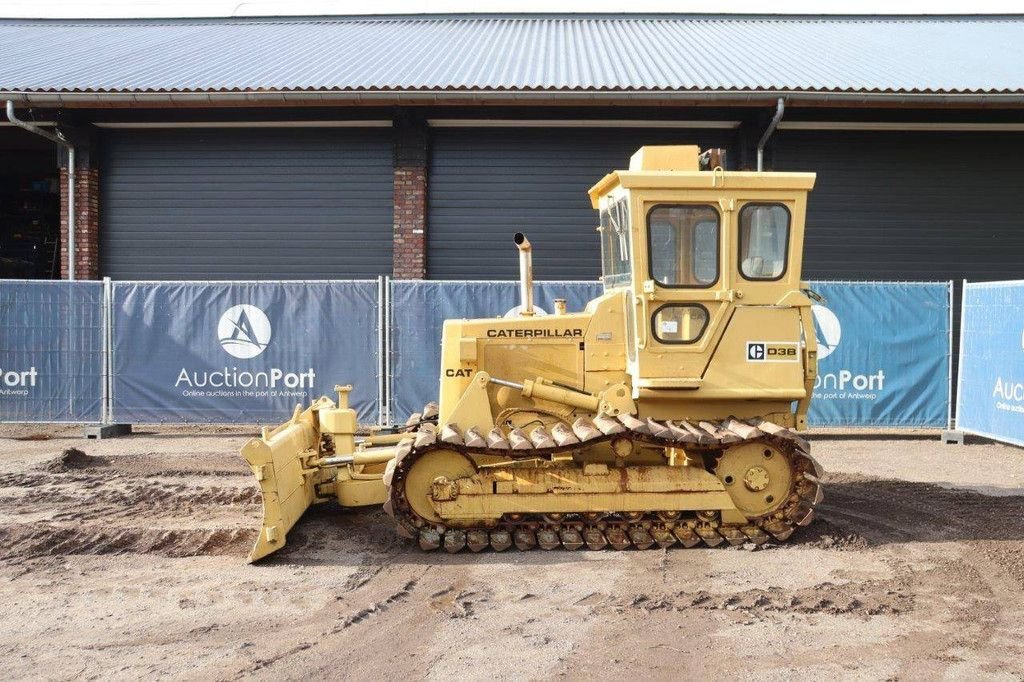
[(621, 53)]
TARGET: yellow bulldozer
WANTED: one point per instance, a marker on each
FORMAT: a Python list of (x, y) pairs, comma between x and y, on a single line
[(664, 413)]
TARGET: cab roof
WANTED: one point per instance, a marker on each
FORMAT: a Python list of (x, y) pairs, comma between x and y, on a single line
[(678, 167)]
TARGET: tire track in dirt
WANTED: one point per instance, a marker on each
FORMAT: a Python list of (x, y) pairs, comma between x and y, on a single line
[(864, 599), (342, 623), (982, 568)]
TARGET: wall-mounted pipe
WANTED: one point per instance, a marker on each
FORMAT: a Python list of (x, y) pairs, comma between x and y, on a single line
[(59, 139), (780, 108), (525, 274)]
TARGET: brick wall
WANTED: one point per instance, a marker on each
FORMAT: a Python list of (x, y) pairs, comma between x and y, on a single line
[(87, 243), (410, 199), (410, 250)]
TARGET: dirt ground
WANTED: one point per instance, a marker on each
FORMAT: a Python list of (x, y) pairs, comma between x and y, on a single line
[(130, 562)]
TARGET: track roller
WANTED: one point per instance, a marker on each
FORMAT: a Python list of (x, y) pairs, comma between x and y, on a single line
[(641, 538), (429, 539), (571, 538), (663, 537), (524, 539), (548, 539), (687, 538), (594, 538), (477, 540), (454, 541), (733, 535), (780, 530), (755, 535), (710, 536), (500, 540), (617, 538)]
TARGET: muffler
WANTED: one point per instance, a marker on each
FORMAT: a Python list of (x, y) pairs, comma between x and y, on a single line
[(525, 274)]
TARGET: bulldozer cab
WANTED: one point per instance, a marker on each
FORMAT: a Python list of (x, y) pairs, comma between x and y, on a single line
[(698, 250)]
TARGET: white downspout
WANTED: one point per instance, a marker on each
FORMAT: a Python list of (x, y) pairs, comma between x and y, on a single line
[(780, 108), (59, 139)]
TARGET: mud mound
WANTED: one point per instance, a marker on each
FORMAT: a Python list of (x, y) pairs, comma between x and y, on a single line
[(44, 539), (196, 463), (73, 459), (893, 511), (85, 496), (330, 530), (824, 534), (78, 504), (33, 437)]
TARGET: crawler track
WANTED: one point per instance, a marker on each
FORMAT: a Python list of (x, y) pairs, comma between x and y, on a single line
[(619, 531)]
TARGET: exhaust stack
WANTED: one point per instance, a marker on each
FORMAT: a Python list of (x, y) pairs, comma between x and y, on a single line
[(525, 274)]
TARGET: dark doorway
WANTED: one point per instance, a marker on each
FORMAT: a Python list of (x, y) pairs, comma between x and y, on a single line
[(29, 206)]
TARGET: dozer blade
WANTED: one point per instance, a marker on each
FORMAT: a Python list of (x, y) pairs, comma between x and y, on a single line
[(276, 459)]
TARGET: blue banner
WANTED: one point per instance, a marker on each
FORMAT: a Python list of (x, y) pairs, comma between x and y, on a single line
[(419, 309), (884, 347), (883, 352), (990, 395), (240, 352), (51, 351), (235, 352)]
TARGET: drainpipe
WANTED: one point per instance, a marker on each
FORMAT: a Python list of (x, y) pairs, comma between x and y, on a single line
[(58, 139), (780, 108)]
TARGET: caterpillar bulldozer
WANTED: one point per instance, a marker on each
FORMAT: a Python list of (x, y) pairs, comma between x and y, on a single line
[(664, 413)]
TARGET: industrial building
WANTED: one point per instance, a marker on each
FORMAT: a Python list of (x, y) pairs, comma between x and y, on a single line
[(414, 146)]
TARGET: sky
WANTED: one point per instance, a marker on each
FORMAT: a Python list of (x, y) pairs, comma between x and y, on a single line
[(228, 8)]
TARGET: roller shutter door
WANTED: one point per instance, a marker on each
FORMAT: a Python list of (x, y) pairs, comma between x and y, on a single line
[(910, 205), (486, 184), (246, 204)]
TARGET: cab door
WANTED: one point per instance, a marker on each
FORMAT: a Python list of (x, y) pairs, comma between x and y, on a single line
[(684, 298)]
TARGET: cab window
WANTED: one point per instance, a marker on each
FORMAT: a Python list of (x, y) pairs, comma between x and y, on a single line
[(616, 267), (764, 241), (679, 323), (683, 245)]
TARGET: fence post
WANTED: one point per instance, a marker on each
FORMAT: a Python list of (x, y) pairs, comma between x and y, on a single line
[(381, 408), (383, 350), (387, 321), (949, 370), (107, 409), (953, 435), (107, 428), (960, 356)]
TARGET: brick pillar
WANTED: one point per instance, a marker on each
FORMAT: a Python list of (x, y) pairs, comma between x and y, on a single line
[(410, 199), (87, 224), (410, 206), (87, 202)]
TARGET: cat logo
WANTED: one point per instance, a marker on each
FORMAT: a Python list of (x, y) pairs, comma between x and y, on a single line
[(458, 372), (772, 351)]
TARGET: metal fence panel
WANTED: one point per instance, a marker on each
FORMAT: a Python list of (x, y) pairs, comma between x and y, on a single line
[(884, 345), (249, 351), (418, 310), (234, 352), (51, 351), (990, 393), (883, 350)]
